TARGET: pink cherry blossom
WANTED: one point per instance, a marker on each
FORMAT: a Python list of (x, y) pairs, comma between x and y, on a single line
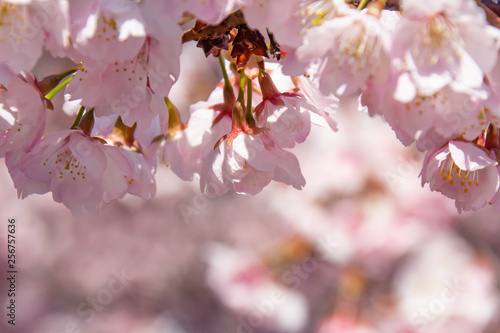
[(286, 115), (464, 172), (325, 105), (21, 40), (80, 171), (106, 31), (349, 49), (248, 164), (136, 62), (22, 112), (430, 120), (127, 87), (138, 152), (444, 42), (288, 119), (185, 146), (175, 152), (53, 18), (142, 182), (187, 149)]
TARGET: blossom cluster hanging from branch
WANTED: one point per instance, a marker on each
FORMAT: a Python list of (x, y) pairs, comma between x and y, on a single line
[(430, 68)]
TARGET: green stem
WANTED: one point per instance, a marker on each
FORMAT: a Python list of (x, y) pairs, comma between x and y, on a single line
[(241, 92), (66, 73), (58, 87), (174, 118), (362, 4), (78, 118), (249, 115), (224, 73)]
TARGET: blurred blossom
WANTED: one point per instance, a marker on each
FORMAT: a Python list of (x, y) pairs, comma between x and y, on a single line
[(243, 284), (446, 281)]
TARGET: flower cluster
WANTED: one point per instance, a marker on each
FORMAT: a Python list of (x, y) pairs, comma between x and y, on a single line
[(430, 68)]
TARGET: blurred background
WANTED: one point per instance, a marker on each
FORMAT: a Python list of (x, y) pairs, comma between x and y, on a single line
[(362, 248)]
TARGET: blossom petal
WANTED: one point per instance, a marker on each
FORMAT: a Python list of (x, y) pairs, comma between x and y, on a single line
[(469, 157)]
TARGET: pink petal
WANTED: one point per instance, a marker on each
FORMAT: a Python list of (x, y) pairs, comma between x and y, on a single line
[(469, 157)]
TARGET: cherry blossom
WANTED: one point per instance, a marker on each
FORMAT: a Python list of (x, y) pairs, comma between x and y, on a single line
[(350, 49), (430, 120), (444, 42), (137, 151), (106, 30), (54, 18), (143, 184), (286, 115), (22, 112), (127, 87), (248, 164), (80, 171), (130, 63), (462, 171), (187, 149), (21, 40)]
